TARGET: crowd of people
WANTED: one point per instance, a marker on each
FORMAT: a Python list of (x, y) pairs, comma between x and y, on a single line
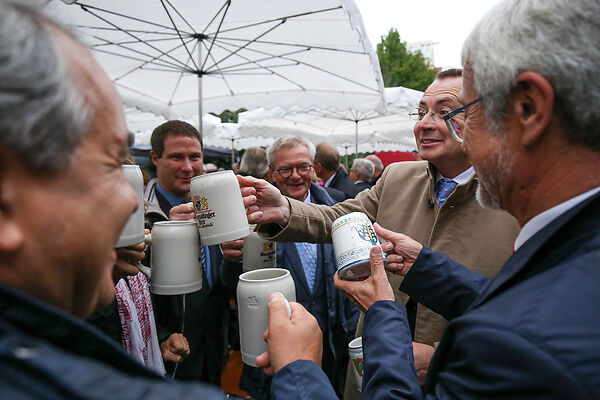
[(491, 242)]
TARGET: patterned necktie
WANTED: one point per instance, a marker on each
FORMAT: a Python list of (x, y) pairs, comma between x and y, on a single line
[(443, 189), (205, 264), (308, 257)]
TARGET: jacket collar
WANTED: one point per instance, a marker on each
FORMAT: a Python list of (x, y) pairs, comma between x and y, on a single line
[(461, 194), (526, 261), (29, 316)]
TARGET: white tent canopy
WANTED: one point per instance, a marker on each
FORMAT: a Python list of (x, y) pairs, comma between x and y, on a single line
[(364, 131)]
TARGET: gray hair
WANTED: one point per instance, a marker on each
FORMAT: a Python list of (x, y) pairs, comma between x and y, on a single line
[(43, 115), (286, 142), (376, 161), (364, 167), (556, 38), (254, 162)]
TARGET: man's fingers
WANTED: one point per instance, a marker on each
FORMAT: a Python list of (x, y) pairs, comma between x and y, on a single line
[(385, 233), (376, 261)]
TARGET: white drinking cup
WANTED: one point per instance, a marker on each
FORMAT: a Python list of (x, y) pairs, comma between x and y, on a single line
[(219, 207), (353, 237), (258, 253), (176, 266), (253, 293), (357, 361), (133, 232)]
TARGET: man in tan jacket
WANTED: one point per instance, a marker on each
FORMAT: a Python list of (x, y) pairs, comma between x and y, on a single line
[(415, 198)]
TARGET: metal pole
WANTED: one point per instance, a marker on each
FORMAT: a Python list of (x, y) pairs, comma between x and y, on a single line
[(200, 91), (232, 152), (355, 138)]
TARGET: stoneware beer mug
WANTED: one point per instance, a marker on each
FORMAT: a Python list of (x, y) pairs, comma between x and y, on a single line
[(353, 237), (356, 360), (219, 208), (175, 261), (258, 253), (253, 293), (133, 233)]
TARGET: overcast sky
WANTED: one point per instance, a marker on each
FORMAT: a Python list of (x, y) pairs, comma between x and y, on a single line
[(444, 22)]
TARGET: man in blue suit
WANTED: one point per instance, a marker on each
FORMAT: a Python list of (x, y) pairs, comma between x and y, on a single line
[(531, 129)]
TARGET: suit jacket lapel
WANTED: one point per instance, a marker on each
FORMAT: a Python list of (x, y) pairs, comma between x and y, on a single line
[(290, 251), (522, 257)]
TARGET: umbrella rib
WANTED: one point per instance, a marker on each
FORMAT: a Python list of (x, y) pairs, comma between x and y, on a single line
[(281, 19), (138, 39), (181, 16), (301, 63), (86, 6), (134, 59), (308, 46), (104, 28), (214, 37), (176, 86), (128, 42), (245, 45), (222, 75), (228, 68), (179, 34), (253, 62), (227, 3)]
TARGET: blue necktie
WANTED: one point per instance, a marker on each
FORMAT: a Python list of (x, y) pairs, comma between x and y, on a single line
[(308, 257), (443, 189), (206, 263)]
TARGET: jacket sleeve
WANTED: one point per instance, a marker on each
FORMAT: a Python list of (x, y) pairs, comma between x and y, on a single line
[(442, 284), (302, 380), (514, 367), (389, 371)]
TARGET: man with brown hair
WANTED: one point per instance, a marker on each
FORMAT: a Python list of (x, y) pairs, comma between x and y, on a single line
[(328, 168)]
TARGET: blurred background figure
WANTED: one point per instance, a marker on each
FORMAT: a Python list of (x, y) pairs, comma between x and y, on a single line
[(254, 163), (328, 168), (361, 173), (379, 167)]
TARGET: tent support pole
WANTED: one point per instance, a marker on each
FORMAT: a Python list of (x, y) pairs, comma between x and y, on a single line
[(200, 91)]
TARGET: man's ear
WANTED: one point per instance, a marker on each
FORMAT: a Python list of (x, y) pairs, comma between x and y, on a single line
[(533, 106), (11, 235), (154, 158)]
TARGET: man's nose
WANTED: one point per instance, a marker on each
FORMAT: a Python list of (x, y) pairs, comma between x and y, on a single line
[(186, 165)]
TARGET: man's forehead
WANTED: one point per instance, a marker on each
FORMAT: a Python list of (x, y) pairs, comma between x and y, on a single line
[(292, 155), (448, 88)]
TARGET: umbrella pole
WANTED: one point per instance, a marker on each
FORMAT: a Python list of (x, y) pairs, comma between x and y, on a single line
[(200, 92), (232, 152), (346, 147), (355, 138)]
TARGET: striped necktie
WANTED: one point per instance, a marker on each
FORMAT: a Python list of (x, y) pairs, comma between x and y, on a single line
[(308, 257)]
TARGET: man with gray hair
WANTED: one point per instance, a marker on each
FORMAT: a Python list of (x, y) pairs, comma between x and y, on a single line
[(532, 130), (64, 201), (361, 173)]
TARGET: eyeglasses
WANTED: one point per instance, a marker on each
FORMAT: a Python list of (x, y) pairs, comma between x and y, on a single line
[(419, 113), (452, 124), (302, 170)]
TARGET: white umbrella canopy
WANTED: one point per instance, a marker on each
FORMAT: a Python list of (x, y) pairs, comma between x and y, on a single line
[(364, 131), (165, 55)]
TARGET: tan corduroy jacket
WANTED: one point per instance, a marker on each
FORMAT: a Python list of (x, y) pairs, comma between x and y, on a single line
[(404, 200)]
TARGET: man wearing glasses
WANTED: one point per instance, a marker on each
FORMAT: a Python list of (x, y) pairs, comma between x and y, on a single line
[(417, 199), (311, 265)]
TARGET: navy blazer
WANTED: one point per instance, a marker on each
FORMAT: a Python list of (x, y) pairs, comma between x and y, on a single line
[(342, 182), (532, 332)]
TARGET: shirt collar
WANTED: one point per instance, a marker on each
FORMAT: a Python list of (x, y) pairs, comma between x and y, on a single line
[(307, 199), (537, 223), (459, 179), (173, 199), (328, 181)]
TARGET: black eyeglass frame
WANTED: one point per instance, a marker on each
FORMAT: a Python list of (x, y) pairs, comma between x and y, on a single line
[(297, 168), (448, 118)]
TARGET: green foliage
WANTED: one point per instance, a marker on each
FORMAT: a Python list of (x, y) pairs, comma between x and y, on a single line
[(401, 68), (229, 116)]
